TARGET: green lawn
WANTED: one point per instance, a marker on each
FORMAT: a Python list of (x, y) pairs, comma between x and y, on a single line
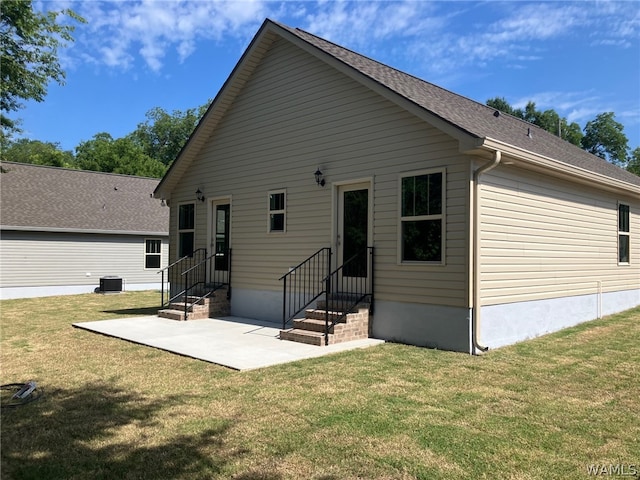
[(547, 408)]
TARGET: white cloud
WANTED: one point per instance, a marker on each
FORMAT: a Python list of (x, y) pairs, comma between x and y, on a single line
[(437, 37), (117, 33), (581, 115)]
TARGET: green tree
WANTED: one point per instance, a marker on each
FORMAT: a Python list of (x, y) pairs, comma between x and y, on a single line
[(38, 153), (104, 154), (163, 135), (571, 132), (549, 120), (501, 104), (634, 161), (29, 43), (605, 138)]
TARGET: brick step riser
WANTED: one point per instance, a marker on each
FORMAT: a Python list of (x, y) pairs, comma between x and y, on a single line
[(317, 314), (190, 308), (311, 325), (340, 329), (179, 315), (303, 337), (171, 314), (193, 301), (216, 305), (311, 330)]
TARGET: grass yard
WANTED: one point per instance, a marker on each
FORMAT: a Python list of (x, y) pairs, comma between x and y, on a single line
[(547, 408)]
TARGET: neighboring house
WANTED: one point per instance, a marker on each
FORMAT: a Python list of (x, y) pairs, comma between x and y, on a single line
[(487, 230), (63, 230)]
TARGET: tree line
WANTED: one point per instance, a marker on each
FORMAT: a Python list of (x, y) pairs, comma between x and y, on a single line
[(29, 43), (603, 136), (147, 151)]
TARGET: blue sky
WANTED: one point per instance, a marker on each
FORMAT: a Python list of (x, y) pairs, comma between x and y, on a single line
[(579, 58)]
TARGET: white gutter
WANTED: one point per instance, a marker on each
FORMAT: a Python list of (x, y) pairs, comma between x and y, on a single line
[(555, 167), (475, 317)]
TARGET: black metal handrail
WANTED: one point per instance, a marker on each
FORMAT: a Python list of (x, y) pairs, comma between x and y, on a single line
[(347, 286), (204, 278), (303, 284), (193, 278), (173, 274)]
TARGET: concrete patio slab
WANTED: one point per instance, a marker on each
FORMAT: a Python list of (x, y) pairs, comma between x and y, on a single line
[(234, 342)]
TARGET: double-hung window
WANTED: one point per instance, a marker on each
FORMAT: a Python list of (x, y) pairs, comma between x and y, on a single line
[(186, 229), (623, 233), (277, 211), (152, 253), (422, 217)]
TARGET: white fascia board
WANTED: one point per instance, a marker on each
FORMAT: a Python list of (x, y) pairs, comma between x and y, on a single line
[(556, 167)]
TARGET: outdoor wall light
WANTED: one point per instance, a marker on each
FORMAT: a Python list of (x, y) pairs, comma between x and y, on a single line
[(200, 195), (319, 180)]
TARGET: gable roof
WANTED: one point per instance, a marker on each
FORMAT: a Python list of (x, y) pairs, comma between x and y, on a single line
[(476, 126), (39, 198)]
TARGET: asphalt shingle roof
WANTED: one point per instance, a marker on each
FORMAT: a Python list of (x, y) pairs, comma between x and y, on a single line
[(49, 198), (474, 118)]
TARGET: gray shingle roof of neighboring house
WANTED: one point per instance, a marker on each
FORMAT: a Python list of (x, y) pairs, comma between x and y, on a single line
[(467, 115), (34, 197)]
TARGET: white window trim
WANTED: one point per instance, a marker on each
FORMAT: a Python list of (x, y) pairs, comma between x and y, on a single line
[(441, 216), (147, 253), (621, 233), (270, 212), (185, 230)]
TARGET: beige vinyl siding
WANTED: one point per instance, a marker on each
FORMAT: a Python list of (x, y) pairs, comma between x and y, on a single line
[(546, 238), (296, 114), (32, 259)]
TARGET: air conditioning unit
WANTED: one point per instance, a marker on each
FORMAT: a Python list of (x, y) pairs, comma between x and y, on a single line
[(110, 284)]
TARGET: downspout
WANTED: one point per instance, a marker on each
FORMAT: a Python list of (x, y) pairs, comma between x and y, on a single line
[(475, 318)]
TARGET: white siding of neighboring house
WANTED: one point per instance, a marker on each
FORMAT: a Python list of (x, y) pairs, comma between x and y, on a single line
[(549, 253), (294, 115), (49, 263)]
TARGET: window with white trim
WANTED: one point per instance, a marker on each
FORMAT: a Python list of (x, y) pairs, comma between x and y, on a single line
[(186, 229), (624, 239), (421, 217), (277, 211), (152, 253)]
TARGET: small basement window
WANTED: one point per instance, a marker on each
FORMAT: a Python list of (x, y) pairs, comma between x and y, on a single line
[(153, 253), (624, 239), (277, 211)]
